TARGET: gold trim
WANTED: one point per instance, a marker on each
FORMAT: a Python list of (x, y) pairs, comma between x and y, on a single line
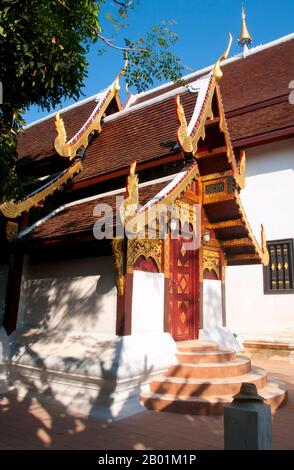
[(12, 209), (189, 143), (11, 230), (226, 224), (245, 37), (80, 139), (198, 132), (166, 256), (215, 176), (150, 213), (265, 258), (236, 242), (118, 255), (241, 175), (217, 197), (144, 247), (182, 134), (187, 213), (211, 261), (128, 209), (238, 172), (217, 72)]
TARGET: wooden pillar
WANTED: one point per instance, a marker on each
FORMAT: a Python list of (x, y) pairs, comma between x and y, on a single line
[(124, 308)]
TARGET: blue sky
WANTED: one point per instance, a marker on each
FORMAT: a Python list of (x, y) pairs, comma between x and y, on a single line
[(202, 26)]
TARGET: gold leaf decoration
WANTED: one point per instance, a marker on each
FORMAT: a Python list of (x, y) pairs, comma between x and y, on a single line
[(69, 148), (118, 254), (13, 209), (11, 230), (217, 72), (128, 209), (183, 136)]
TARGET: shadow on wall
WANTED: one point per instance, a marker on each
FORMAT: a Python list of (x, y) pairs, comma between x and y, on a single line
[(61, 355), (73, 295)]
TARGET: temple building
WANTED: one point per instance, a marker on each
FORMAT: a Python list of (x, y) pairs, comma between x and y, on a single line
[(153, 224)]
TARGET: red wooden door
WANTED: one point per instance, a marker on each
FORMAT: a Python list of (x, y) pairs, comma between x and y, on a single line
[(184, 291)]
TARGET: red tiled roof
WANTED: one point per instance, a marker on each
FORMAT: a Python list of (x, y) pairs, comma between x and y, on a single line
[(79, 217), (149, 133), (252, 123), (259, 77), (143, 134), (38, 140)]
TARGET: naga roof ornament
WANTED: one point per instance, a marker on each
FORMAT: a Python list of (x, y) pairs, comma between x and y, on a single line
[(13, 209), (69, 148), (183, 136), (264, 247), (189, 135), (128, 209), (217, 72)]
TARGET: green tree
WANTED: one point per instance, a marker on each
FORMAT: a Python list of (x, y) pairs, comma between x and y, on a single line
[(43, 59)]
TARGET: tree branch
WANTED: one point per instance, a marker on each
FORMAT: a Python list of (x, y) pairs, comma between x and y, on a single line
[(105, 40), (122, 4)]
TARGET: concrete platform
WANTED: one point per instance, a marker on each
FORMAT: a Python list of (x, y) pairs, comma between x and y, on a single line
[(26, 424)]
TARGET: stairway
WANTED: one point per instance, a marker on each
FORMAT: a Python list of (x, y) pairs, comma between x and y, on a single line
[(205, 379)]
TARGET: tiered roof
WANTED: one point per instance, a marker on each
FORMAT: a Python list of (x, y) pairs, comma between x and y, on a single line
[(255, 96), (255, 93)]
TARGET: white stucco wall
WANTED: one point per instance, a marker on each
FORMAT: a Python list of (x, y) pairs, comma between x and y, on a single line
[(212, 303), (3, 287), (148, 302), (72, 295), (267, 198)]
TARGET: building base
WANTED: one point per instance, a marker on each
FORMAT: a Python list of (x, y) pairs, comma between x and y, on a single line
[(89, 375)]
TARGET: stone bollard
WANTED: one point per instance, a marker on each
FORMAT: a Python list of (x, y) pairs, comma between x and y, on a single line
[(248, 421)]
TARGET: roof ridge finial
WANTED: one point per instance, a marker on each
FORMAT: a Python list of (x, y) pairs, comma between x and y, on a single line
[(245, 37), (217, 72)]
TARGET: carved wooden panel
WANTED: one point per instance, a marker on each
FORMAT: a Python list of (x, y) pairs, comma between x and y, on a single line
[(184, 291)]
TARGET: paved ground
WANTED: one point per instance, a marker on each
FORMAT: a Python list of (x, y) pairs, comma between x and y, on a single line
[(25, 424)]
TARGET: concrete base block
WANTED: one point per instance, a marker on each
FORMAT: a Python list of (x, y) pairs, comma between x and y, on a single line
[(97, 375)]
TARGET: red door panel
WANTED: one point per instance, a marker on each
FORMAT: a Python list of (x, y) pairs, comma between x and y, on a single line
[(184, 291)]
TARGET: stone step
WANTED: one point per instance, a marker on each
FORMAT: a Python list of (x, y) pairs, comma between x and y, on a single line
[(206, 357), (238, 366), (196, 346), (275, 396), (206, 387)]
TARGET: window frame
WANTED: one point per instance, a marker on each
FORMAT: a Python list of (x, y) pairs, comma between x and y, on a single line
[(266, 269)]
